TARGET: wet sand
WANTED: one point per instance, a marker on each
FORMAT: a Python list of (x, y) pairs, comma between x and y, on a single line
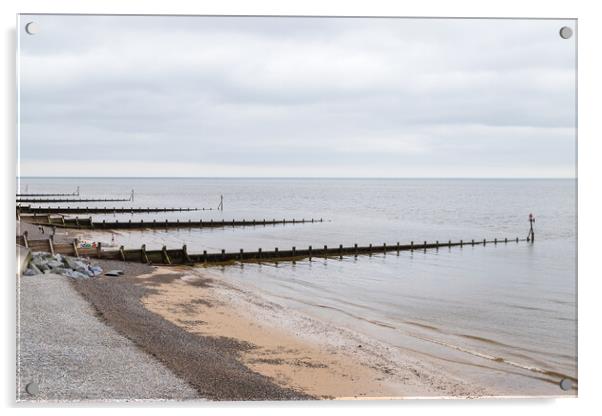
[(191, 303), (292, 351)]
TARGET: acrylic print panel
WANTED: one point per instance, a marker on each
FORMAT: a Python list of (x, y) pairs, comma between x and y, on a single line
[(283, 208)]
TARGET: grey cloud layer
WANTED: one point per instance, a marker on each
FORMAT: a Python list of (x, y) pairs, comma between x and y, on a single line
[(465, 97)]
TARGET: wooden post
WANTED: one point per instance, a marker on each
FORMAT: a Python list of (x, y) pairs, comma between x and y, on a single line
[(309, 250), (398, 248), (325, 251), (166, 258), (143, 255), (473, 242), (259, 253), (340, 251), (121, 253), (223, 254), (495, 241), (437, 244), (205, 256), (484, 241), (51, 246), (276, 252), (99, 250), (355, 250), (531, 235), (294, 251), (425, 246), (411, 245), (370, 249), (385, 249), (241, 254), (75, 251), (185, 254), (506, 240)]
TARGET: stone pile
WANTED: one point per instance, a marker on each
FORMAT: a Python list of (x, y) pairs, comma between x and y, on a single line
[(42, 263)]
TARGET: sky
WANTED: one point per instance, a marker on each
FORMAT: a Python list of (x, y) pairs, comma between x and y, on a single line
[(295, 97)]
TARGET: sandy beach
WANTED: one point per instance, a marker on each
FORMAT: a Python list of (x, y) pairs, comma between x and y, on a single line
[(276, 353), (295, 350)]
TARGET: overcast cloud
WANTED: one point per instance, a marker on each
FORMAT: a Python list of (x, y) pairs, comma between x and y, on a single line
[(216, 96)]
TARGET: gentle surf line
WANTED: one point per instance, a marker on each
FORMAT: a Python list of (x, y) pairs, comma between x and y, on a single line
[(497, 359)]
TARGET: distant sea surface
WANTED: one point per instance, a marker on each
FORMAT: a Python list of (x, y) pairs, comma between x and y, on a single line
[(501, 315)]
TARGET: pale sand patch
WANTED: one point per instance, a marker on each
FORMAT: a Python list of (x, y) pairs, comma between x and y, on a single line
[(300, 353)]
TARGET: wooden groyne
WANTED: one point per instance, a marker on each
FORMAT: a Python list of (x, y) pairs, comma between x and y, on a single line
[(45, 195), (48, 245), (28, 209), (76, 193), (57, 200), (177, 256), (89, 224)]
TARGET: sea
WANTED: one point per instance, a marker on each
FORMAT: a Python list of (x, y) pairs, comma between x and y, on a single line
[(503, 315)]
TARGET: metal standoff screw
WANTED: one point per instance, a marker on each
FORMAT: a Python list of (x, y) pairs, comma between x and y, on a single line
[(566, 32), (566, 384), (32, 388), (32, 28)]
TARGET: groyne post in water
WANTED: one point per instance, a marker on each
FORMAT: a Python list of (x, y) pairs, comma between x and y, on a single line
[(531, 235)]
